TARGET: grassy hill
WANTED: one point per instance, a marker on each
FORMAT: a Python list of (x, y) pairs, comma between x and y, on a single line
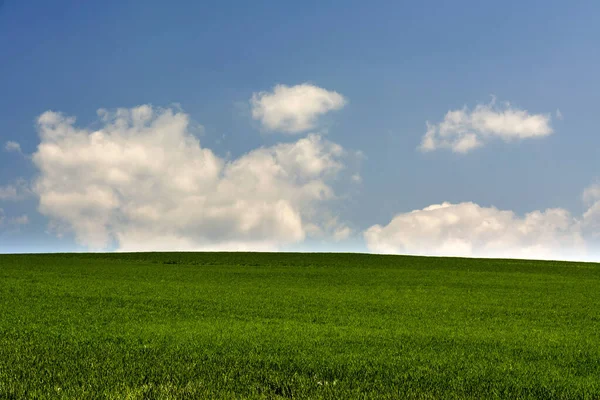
[(252, 325)]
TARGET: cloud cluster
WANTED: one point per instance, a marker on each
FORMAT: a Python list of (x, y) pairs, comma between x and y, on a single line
[(294, 109), (464, 130), (467, 229), (143, 182)]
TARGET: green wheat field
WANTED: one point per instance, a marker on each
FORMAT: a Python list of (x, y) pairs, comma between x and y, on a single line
[(288, 325)]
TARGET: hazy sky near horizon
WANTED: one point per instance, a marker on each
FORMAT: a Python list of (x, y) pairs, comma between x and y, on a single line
[(440, 128)]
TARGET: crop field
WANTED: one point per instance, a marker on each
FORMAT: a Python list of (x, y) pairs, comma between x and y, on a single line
[(288, 325)]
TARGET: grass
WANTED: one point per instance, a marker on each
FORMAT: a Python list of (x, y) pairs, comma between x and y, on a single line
[(244, 325)]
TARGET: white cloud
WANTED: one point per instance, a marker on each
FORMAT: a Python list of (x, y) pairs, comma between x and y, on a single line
[(294, 109), (144, 182), (467, 229), (465, 130), (12, 146)]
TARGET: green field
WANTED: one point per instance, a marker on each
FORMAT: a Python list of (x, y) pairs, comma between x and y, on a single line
[(251, 325)]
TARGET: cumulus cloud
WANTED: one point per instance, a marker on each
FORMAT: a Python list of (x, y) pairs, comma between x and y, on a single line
[(465, 130), (294, 109), (143, 182), (467, 229), (12, 146)]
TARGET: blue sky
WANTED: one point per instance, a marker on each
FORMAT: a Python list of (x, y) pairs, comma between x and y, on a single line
[(396, 65)]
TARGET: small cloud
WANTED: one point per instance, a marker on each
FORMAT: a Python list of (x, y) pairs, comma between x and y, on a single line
[(356, 178), (559, 115), (12, 146), (294, 109), (464, 130)]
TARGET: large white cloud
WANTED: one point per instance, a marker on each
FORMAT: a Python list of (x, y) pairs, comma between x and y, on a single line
[(464, 130), (294, 109), (144, 182), (467, 229)]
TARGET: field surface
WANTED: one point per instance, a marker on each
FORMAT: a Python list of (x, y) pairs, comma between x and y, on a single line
[(244, 325)]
